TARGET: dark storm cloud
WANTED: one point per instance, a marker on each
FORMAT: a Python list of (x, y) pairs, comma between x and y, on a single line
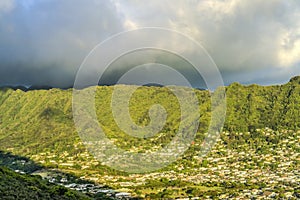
[(43, 42)]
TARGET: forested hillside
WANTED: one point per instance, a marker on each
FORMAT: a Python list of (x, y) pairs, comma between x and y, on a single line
[(261, 134), (251, 107), (40, 120)]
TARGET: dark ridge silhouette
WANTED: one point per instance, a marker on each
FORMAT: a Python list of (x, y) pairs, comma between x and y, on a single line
[(153, 85), (295, 79), (202, 89)]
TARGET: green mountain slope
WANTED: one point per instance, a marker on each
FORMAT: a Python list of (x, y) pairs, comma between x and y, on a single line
[(39, 124), (250, 107), (19, 186), (40, 121)]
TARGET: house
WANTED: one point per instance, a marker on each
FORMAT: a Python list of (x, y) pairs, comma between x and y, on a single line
[(122, 195)]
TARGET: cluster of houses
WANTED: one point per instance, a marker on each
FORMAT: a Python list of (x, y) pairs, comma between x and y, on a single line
[(75, 184), (71, 182), (276, 171)]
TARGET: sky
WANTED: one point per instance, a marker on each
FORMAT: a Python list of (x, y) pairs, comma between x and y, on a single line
[(44, 42)]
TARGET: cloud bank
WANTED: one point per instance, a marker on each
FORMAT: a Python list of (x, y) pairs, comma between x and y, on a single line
[(43, 42)]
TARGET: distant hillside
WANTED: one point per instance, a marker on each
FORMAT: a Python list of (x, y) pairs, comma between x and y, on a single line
[(19, 186), (39, 121), (251, 107)]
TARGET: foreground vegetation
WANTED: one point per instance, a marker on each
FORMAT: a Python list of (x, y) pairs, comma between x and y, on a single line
[(20, 186), (249, 159)]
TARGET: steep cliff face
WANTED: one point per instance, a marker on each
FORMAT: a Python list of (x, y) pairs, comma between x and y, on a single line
[(250, 107)]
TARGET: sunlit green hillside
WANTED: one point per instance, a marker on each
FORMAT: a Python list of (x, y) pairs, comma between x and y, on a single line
[(39, 124), (40, 121)]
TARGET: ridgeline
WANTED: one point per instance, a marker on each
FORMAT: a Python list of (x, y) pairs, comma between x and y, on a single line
[(38, 120), (35, 120)]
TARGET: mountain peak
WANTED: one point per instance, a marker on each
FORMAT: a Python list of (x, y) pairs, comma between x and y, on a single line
[(295, 79)]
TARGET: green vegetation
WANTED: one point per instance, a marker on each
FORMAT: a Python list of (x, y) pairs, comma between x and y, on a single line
[(39, 121), (17, 186), (39, 124), (18, 162), (252, 107)]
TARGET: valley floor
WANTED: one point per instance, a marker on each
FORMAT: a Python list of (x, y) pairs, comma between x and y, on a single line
[(260, 165)]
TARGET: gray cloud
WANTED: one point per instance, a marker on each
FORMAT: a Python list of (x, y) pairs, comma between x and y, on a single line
[(6, 6), (243, 37), (44, 41)]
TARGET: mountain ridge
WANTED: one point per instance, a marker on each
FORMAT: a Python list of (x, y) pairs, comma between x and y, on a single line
[(294, 79), (39, 123), (44, 114)]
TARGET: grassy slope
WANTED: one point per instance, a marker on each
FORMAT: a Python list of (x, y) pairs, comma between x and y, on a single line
[(41, 120), (17, 186)]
